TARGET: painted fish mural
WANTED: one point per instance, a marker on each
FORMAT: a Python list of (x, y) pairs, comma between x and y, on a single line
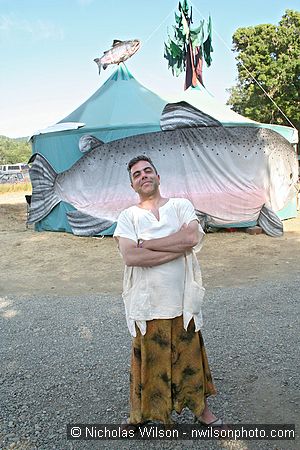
[(119, 52), (231, 175)]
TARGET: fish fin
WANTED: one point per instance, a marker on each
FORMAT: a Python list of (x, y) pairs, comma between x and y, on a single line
[(105, 66), (83, 224), (98, 62), (116, 42), (270, 222), (203, 219), (184, 115), (87, 142), (44, 197)]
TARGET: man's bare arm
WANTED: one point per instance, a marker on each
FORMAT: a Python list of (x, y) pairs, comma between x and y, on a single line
[(142, 257), (181, 241)]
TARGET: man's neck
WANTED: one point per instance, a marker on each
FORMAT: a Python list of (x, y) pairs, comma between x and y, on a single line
[(153, 201)]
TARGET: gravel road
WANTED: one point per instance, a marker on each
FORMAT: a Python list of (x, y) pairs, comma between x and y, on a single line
[(66, 360)]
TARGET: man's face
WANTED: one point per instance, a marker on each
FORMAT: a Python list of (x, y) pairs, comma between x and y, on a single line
[(144, 180)]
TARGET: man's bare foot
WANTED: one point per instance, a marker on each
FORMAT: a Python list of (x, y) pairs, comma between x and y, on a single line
[(207, 417)]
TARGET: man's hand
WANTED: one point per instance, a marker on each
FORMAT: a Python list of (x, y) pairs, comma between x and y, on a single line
[(182, 241), (142, 257)]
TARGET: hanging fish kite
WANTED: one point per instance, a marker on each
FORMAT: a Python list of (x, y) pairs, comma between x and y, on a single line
[(119, 52)]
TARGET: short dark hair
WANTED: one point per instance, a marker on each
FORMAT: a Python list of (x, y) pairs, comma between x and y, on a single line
[(133, 161)]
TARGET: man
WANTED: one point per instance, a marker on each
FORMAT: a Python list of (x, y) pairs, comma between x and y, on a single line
[(162, 295)]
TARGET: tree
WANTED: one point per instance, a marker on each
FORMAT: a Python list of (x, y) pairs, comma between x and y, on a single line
[(272, 55), (14, 150), (187, 49)]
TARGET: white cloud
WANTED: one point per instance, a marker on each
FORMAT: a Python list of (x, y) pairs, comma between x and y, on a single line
[(6, 23), (37, 29)]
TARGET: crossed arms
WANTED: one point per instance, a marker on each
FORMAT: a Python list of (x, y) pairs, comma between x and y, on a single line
[(159, 251)]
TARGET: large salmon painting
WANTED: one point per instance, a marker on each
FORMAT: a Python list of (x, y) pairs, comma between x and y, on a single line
[(230, 174)]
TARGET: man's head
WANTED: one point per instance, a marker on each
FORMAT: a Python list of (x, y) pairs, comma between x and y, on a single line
[(143, 175)]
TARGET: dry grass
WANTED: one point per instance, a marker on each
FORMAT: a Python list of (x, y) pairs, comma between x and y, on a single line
[(16, 187)]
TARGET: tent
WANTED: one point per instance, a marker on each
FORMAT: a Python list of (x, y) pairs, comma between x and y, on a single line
[(204, 101), (121, 107), (120, 110)]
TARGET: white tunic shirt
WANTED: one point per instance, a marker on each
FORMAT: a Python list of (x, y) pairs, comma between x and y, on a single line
[(167, 290)]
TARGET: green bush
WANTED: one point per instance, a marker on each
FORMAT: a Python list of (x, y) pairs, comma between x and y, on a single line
[(14, 150)]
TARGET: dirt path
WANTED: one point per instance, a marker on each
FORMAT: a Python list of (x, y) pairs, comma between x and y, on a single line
[(51, 341), (63, 264)]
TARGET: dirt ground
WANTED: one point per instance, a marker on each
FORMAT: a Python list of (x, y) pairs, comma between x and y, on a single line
[(63, 264)]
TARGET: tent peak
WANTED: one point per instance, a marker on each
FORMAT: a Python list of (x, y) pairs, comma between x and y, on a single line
[(121, 73)]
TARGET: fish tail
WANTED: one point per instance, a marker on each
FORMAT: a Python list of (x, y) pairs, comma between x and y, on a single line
[(98, 62), (44, 197), (270, 222)]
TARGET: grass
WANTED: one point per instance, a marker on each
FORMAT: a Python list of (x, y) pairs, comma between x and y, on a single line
[(17, 187)]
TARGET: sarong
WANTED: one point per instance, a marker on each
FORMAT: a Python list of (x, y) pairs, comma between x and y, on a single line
[(169, 371)]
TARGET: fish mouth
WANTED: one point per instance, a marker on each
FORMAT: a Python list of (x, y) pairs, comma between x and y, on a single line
[(136, 45)]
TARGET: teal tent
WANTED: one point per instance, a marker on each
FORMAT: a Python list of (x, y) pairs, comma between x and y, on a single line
[(120, 108), (201, 99)]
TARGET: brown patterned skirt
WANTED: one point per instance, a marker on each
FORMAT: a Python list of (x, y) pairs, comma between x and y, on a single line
[(169, 371)]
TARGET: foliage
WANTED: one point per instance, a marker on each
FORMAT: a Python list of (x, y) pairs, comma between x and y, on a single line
[(272, 55), (14, 150)]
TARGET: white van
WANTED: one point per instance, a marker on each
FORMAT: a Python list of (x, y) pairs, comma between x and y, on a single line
[(13, 168)]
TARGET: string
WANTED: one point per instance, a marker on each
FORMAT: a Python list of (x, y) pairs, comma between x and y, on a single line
[(157, 28)]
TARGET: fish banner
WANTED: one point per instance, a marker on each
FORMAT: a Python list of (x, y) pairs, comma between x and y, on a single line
[(228, 174)]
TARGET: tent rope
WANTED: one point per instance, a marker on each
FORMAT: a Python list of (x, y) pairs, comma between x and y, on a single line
[(157, 28), (248, 71)]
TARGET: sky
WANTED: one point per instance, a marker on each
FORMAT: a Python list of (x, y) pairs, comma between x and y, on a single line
[(48, 48)]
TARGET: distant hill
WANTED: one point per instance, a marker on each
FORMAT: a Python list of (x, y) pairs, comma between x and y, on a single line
[(25, 138), (22, 138), (14, 150)]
